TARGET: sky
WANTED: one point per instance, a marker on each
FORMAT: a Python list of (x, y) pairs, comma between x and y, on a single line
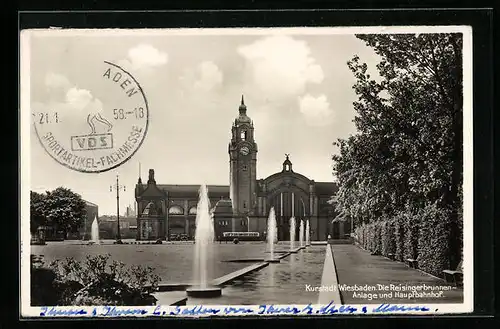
[(297, 88)]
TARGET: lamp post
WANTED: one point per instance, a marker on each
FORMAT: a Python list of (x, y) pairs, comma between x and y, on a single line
[(117, 187)]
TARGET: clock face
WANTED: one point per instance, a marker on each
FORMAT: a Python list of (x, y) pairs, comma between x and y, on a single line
[(244, 150)]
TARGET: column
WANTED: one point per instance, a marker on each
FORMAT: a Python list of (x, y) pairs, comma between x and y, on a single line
[(311, 204), (233, 223), (281, 204), (293, 204), (280, 222), (186, 218)]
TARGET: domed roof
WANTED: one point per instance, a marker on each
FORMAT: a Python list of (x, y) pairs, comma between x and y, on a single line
[(242, 107), (243, 118)]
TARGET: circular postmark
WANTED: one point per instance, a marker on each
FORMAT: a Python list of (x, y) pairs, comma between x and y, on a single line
[(99, 125)]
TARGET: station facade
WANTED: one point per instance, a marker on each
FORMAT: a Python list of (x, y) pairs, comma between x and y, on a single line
[(166, 210)]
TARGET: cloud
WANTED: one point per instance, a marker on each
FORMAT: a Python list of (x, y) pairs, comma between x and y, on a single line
[(281, 66), (67, 96), (204, 77), (78, 98), (144, 56), (316, 110), (209, 76), (56, 81)]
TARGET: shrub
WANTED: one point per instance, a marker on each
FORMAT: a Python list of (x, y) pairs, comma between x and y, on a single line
[(377, 238), (412, 224), (93, 282), (388, 238), (360, 236), (43, 291), (372, 237), (399, 228), (434, 239), (368, 237)]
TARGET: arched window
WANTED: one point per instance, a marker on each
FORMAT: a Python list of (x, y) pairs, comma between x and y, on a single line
[(176, 210), (287, 167), (243, 135), (192, 210)]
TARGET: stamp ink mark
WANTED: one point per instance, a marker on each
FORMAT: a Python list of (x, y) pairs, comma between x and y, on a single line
[(92, 142), (116, 125)]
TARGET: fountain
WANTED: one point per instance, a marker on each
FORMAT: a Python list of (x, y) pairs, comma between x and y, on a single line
[(292, 234), (204, 240), (272, 235), (301, 234), (308, 236), (94, 232)]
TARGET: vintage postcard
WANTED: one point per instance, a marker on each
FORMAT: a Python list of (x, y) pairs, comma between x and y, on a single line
[(235, 172)]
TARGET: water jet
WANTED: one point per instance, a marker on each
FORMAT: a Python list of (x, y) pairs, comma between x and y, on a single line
[(301, 234), (292, 234), (271, 235), (308, 235), (94, 232), (203, 258)]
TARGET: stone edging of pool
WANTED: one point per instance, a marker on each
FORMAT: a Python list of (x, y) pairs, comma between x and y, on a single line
[(225, 279), (329, 279)]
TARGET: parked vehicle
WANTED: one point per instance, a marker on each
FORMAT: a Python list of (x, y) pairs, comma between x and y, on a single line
[(240, 236)]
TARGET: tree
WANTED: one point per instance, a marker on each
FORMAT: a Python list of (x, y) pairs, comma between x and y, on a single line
[(37, 211), (65, 209), (407, 151), (423, 77)]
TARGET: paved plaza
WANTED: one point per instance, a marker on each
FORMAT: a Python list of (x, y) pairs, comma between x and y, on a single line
[(356, 266), (281, 283)]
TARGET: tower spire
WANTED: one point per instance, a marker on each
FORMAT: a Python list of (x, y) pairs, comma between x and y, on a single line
[(287, 164), (139, 181), (243, 107)]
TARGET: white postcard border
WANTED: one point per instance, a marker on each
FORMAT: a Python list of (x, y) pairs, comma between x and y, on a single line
[(25, 144)]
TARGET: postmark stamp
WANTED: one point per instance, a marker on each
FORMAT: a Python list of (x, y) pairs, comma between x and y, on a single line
[(104, 126)]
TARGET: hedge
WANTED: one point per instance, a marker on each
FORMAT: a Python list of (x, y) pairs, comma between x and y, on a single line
[(412, 225), (429, 236), (388, 238), (399, 228), (434, 241)]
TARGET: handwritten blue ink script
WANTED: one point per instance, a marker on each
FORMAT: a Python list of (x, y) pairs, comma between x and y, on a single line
[(201, 310)]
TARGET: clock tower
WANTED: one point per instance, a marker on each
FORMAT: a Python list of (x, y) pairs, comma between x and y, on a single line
[(243, 164)]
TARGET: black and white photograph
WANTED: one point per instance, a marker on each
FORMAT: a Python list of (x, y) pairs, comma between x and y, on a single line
[(246, 171)]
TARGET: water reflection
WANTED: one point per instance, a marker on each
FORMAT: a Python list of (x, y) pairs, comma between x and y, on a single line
[(301, 257), (292, 264), (280, 283), (272, 273)]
